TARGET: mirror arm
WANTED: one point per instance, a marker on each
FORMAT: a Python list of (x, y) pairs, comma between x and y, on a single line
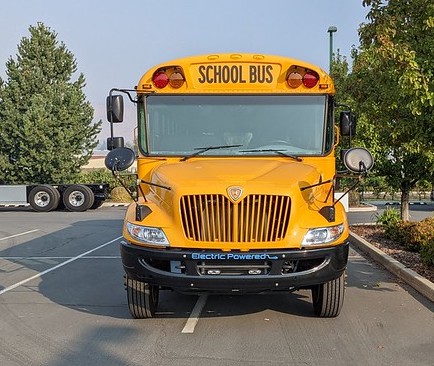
[(141, 211), (112, 134), (116, 175), (125, 91), (359, 181), (316, 185), (155, 185), (141, 191)]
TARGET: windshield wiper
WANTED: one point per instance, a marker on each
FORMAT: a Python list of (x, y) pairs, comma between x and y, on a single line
[(280, 152), (201, 150)]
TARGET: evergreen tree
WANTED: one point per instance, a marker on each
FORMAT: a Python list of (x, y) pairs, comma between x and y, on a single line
[(46, 128)]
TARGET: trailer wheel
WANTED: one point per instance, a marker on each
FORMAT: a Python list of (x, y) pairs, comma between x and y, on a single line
[(328, 297), (44, 198), (142, 298), (78, 198)]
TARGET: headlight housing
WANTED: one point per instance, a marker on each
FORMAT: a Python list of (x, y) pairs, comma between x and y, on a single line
[(148, 235), (323, 235)]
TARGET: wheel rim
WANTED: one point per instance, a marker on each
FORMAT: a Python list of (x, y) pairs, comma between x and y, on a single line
[(42, 199), (76, 198)]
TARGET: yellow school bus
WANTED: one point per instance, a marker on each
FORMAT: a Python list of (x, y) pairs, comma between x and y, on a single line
[(236, 172)]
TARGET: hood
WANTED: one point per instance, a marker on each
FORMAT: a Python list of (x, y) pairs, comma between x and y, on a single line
[(201, 176)]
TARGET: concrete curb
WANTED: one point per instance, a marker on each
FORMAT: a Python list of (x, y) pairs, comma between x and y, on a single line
[(367, 207), (419, 283), (115, 204)]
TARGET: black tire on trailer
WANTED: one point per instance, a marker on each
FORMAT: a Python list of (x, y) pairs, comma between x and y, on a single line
[(142, 298), (328, 298), (96, 204), (44, 198), (78, 198)]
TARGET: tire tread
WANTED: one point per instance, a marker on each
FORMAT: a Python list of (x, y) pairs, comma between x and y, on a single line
[(142, 298), (328, 298)]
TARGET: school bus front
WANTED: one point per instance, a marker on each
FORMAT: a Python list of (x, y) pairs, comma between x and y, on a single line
[(236, 194)]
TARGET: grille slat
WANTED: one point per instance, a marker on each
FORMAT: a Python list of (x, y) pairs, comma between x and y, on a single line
[(256, 218)]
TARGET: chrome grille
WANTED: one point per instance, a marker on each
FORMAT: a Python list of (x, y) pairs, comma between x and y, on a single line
[(256, 218)]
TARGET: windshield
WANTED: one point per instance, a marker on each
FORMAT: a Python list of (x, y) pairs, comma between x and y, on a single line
[(248, 125)]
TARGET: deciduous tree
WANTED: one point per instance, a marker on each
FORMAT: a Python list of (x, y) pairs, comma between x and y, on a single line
[(392, 83)]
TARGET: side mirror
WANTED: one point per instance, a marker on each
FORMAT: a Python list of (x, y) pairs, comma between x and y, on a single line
[(120, 159), (347, 123), (115, 108), (358, 160), (114, 142)]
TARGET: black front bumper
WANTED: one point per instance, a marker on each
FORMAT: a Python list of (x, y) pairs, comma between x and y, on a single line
[(232, 272)]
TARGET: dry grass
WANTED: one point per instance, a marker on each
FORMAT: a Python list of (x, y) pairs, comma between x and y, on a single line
[(119, 194)]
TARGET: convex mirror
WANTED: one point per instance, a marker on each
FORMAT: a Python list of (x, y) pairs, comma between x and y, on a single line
[(358, 160), (120, 159)]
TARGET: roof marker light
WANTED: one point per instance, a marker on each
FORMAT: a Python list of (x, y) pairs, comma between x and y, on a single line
[(294, 80), (310, 79), (160, 79), (176, 80)]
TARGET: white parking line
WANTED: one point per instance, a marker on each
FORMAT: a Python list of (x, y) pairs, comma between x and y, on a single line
[(195, 314), (14, 236), (57, 266)]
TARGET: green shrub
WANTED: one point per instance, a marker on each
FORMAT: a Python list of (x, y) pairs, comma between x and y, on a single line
[(98, 176), (105, 176), (401, 233), (389, 217), (420, 234), (413, 236), (389, 220), (427, 253)]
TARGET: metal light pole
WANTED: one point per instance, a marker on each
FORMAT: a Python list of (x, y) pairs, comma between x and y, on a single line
[(331, 30)]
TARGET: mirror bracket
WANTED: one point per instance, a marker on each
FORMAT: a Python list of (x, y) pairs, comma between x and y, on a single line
[(142, 212), (328, 212)]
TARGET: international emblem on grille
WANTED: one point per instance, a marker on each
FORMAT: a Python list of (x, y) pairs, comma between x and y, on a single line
[(234, 193)]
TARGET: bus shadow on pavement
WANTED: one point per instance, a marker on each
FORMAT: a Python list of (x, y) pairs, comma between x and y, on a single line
[(94, 283)]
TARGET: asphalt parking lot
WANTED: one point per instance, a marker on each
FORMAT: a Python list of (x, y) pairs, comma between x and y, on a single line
[(62, 302)]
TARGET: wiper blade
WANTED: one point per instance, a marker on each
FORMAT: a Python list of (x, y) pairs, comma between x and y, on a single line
[(280, 152), (201, 150)]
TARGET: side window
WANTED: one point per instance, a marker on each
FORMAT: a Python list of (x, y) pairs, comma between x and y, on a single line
[(329, 133), (143, 146)]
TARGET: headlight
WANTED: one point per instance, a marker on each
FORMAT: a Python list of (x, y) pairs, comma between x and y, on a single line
[(323, 235), (148, 235)]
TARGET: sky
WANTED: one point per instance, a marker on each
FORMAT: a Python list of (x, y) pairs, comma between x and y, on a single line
[(115, 42)]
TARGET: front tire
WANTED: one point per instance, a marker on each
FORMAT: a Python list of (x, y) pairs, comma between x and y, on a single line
[(142, 298), (328, 298)]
